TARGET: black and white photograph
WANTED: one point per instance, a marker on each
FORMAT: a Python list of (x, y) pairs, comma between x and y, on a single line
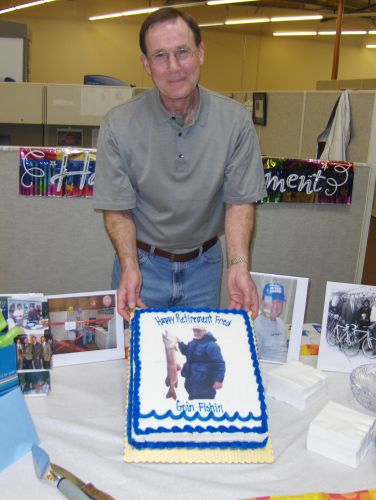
[(279, 324), (348, 336)]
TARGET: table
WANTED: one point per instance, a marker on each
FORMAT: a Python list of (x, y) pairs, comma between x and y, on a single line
[(81, 425)]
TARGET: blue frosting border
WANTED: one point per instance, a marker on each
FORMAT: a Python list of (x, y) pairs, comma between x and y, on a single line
[(134, 400)]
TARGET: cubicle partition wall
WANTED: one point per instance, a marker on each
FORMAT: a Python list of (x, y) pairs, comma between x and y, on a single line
[(324, 242), (295, 120), (49, 245), (58, 245)]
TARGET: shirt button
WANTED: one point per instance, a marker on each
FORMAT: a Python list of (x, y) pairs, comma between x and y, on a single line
[(180, 134), (181, 155)]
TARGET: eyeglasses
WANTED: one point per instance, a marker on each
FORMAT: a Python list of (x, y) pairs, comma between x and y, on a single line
[(181, 55)]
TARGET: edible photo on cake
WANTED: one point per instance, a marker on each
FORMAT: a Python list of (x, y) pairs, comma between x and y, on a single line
[(195, 371)]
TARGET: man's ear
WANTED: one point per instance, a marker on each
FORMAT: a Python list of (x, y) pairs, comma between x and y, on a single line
[(201, 53), (146, 64)]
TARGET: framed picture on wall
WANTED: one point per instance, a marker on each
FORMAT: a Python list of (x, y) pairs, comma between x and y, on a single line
[(279, 324), (259, 109), (68, 137)]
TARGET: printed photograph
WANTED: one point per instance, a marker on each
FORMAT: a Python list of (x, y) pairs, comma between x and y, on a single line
[(348, 327), (85, 328), (35, 383), (69, 137), (279, 324), (30, 312), (34, 351)]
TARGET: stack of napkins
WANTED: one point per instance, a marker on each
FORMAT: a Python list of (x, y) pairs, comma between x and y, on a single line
[(295, 383), (341, 433)]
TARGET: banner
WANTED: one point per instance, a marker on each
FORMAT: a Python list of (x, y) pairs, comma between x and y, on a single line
[(70, 172), (56, 172), (307, 181)]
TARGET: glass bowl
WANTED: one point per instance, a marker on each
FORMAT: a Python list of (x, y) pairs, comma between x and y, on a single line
[(363, 385)]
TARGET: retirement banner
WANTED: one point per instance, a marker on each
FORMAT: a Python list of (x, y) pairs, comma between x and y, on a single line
[(307, 181), (57, 172), (70, 172)]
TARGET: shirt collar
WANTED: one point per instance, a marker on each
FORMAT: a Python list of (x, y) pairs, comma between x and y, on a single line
[(163, 116)]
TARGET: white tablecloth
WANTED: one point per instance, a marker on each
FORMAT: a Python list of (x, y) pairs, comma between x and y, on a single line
[(81, 426)]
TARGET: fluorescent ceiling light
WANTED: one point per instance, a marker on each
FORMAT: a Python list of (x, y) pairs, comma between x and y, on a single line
[(25, 6), (206, 25), (146, 10), (295, 33), (354, 32), (124, 13), (372, 32), (222, 2), (295, 18), (248, 21), (371, 46), (344, 32)]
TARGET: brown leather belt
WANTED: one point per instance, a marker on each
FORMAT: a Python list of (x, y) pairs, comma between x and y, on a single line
[(178, 257)]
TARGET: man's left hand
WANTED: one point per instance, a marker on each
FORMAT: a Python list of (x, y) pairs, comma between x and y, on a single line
[(242, 289), (217, 385)]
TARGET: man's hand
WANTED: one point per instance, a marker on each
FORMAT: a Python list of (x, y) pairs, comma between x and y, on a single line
[(128, 294), (217, 385), (242, 290), (122, 232)]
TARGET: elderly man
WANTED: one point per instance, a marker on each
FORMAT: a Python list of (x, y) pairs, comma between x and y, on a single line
[(269, 327), (175, 166)]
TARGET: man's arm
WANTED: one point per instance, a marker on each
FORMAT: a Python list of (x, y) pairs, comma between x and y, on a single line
[(122, 233), (239, 222)]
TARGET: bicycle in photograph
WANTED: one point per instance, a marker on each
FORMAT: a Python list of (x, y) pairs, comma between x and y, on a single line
[(343, 335), (367, 340)]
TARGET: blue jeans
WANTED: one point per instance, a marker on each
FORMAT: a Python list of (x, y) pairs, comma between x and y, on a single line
[(196, 283)]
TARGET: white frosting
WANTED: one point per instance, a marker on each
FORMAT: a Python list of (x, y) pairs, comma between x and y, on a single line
[(238, 397)]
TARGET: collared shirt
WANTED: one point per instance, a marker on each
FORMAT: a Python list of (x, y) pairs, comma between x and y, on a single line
[(177, 179)]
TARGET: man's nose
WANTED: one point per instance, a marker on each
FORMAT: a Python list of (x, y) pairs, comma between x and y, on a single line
[(173, 62)]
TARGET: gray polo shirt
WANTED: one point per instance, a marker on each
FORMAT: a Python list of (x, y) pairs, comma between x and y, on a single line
[(177, 180)]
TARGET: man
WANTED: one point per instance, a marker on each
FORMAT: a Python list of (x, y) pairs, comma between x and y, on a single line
[(28, 355), (37, 353), (19, 315), (175, 166), (269, 328), (33, 314), (204, 369), (349, 312), (46, 353)]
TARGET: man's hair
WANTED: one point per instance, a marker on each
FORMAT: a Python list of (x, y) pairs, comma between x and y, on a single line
[(168, 14)]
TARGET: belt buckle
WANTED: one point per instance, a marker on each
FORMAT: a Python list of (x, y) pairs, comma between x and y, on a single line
[(172, 257)]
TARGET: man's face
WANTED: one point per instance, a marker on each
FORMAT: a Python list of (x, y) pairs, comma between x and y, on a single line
[(272, 308), (198, 334), (174, 79)]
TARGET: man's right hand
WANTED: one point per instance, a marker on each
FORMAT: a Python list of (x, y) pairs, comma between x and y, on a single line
[(121, 229), (128, 295)]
